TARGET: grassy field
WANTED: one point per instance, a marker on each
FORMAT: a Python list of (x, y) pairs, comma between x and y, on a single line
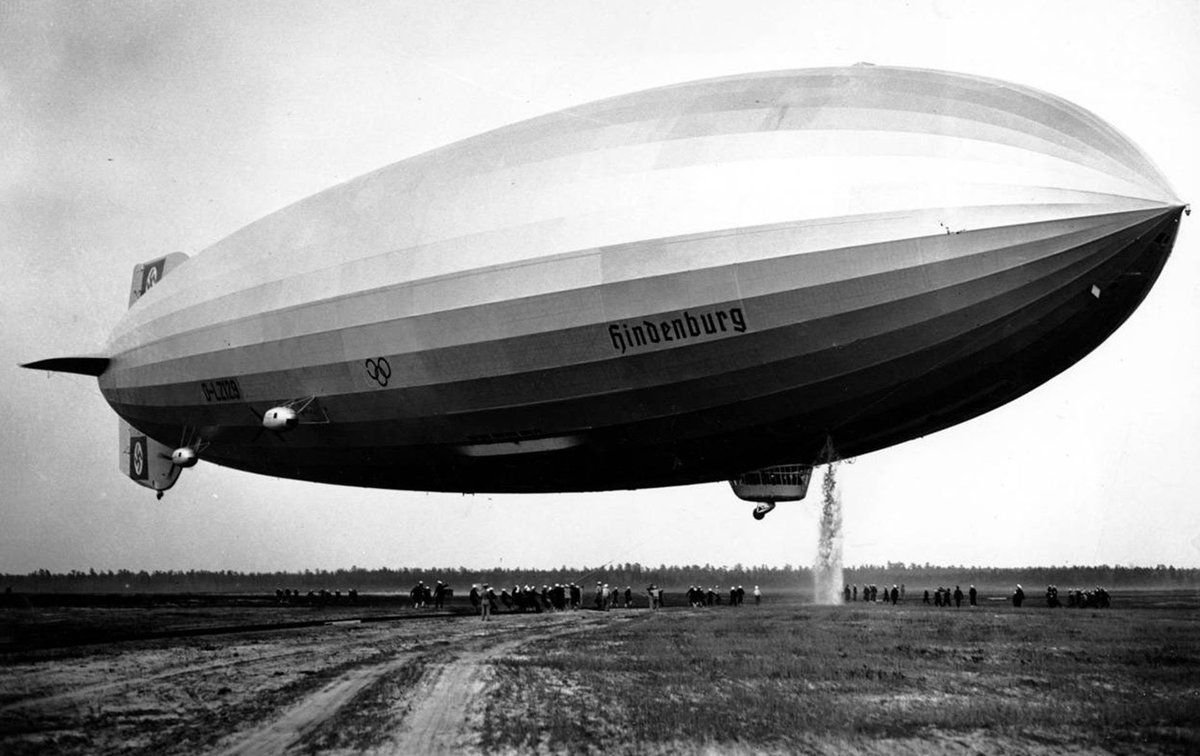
[(793, 678), (784, 677)]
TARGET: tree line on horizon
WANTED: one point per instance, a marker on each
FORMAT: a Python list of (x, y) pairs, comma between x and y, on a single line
[(638, 576)]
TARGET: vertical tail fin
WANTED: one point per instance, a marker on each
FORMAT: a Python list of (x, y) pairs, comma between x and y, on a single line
[(147, 274)]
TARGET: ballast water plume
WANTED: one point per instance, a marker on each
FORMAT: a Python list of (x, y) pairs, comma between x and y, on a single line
[(827, 570)]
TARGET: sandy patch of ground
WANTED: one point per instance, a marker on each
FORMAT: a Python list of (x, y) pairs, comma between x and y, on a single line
[(284, 733), (272, 692), (447, 706)]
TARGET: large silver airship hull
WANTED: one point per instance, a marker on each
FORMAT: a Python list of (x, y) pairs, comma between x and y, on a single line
[(667, 287)]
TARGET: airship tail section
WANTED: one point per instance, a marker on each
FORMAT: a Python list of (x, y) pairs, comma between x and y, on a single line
[(146, 461), (146, 275)]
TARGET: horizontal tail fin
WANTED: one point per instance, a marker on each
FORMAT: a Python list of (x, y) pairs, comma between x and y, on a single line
[(93, 366)]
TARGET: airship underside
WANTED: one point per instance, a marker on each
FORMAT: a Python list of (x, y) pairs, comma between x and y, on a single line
[(667, 287)]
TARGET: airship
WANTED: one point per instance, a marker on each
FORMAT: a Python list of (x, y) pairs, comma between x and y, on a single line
[(722, 279)]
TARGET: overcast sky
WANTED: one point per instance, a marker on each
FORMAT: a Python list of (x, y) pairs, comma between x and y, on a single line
[(136, 129)]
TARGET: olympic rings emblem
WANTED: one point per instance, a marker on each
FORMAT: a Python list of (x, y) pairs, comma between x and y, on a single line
[(379, 370)]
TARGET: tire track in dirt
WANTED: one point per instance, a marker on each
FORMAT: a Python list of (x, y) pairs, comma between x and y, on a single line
[(95, 690), (438, 720), (440, 714), (446, 708), (282, 734)]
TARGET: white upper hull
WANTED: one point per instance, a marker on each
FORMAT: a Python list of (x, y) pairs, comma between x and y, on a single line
[(506, 271)]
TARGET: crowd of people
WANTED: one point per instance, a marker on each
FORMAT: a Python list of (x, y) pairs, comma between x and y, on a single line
[(943, 596), (422, 595), (1097, 598), (319, 598), (870, 594), (486, 600), (698, 596)]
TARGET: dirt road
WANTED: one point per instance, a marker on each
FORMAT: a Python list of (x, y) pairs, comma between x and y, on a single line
[(411, 686)]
